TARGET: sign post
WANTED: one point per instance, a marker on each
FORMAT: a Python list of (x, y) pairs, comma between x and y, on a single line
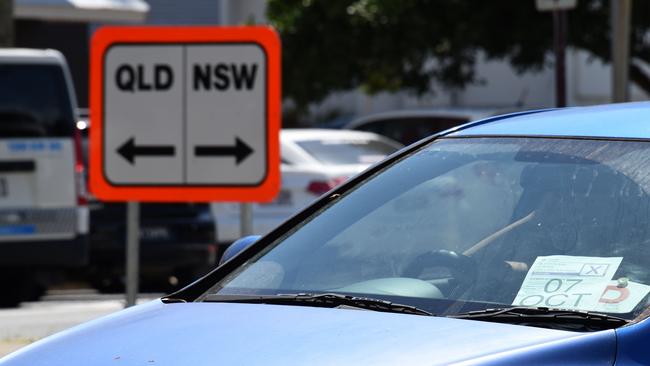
[(183, 114), (132, 251), (245, 219)]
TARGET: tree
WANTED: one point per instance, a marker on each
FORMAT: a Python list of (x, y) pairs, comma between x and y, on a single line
[(390, 45)]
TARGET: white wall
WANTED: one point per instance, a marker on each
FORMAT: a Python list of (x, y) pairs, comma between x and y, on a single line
[(590, 81), (504, 87)]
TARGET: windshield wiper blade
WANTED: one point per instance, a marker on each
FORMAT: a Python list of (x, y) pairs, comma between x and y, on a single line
[(543, 315), (330, 300)]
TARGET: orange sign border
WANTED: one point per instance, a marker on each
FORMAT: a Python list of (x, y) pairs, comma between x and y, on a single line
[(105, 37)]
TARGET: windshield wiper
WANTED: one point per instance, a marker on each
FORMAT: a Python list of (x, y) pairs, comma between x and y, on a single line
[(329, 300), (562, 318)]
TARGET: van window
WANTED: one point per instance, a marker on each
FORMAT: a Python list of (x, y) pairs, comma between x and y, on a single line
[(34, 101)]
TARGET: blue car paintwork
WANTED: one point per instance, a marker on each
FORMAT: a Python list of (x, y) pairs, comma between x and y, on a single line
[(220, 333), (628, 120), (253, 334), (632, 344)]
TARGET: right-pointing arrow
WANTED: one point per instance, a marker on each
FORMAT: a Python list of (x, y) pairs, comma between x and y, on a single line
[(240, 150)]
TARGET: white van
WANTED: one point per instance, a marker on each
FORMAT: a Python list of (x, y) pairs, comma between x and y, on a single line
[(43, 211)]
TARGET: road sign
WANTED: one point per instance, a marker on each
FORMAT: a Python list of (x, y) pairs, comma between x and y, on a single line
[(185, 113), (553, 5)]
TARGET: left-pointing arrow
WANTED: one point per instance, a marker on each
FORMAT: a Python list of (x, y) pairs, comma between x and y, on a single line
[(129, 150)]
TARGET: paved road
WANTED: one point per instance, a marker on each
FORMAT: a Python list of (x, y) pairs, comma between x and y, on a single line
[(57, 311)]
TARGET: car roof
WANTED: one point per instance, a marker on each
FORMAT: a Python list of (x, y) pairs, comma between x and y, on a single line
[(30, 56), (623, 120), (467, 113)]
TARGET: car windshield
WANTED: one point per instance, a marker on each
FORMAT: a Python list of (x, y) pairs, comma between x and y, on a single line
[(467, 224), (34, 101), (347, 151)]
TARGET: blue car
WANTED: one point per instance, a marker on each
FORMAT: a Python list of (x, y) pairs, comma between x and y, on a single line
[(521, 239)]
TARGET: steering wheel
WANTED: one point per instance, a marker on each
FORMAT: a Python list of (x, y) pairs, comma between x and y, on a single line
[(461, 267)]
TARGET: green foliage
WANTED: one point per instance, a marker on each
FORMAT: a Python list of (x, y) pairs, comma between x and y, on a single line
[(389, 45)]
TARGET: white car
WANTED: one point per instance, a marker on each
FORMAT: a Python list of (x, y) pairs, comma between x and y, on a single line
[(313, 162)]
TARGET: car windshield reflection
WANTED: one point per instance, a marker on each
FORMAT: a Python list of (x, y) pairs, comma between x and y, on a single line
[(475, 223)]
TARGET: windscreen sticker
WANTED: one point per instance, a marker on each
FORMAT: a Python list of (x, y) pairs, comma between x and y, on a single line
[(567, 282), (622, 296)]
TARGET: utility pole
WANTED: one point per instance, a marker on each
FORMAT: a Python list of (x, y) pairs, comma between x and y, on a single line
[(6, 23), (559, 45), (621, 11), (559, 8)]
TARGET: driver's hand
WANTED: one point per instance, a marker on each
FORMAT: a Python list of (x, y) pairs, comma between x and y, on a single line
[(518, 266)]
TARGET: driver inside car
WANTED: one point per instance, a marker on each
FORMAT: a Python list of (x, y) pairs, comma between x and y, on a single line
[(572, 211)]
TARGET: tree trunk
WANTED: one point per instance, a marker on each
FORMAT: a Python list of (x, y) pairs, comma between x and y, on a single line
[(6, 23)]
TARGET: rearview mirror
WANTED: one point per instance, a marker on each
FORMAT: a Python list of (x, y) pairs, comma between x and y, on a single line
[(238, 246)]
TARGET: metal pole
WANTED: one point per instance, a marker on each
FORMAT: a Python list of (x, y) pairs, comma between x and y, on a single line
[(621, 10), (6, 23), (245, 219), (559, 44), (224, 9), (132, 251)]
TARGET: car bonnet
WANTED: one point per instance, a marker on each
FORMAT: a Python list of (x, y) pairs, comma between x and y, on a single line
[(248, 334)]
